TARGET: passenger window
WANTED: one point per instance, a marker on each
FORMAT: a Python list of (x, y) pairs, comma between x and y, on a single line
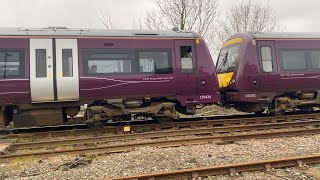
[(146, 65), (315, 59), (186, 59), (11, 64), (67, 63), (107, 61), (109, 66), (155, 62), (293, 60), (266, 57), (41, 63)]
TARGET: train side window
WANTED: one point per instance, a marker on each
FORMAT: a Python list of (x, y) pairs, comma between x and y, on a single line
[(155, 62), (67, 63), (315, 59), (99, 62), (11, 64), (186, 59), (109, 66), (293, 60), (266, 58)]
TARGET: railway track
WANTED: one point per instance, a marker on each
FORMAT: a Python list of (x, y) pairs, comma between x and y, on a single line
[(106, 149), (164, 134), (187, 123), (232, 169), (82, 127)]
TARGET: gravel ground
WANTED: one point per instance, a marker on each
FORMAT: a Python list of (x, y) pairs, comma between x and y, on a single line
[(153, 159), (275, 174), (213, 110)]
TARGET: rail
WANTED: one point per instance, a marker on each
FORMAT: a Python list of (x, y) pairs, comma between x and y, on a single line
[(167, 133), (164, 143), (189, 123), (232, 169)]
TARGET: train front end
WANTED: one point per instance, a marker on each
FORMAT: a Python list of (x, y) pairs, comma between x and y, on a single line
[(238, 73)]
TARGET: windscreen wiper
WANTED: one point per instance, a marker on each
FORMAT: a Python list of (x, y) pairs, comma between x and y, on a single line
[(224, 62)]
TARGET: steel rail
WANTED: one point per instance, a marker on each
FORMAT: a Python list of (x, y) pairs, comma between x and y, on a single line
[(167, 133), (165, 143), (174, 125), (230, 169)]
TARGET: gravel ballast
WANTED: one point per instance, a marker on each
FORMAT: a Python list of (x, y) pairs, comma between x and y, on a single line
[(153, 159)]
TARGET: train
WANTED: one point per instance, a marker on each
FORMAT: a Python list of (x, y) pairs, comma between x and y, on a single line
[(47, 74), (270, 72)]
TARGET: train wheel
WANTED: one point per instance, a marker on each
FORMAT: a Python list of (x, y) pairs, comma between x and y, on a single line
[(282, 112), (279, 113), (163, 119), (259, 113), (96, 125)]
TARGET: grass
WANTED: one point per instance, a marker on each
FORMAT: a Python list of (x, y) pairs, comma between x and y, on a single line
[(25, 139), (18, 160), (89, 157)]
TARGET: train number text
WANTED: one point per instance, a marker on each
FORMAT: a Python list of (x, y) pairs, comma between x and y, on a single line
[(205, 97)]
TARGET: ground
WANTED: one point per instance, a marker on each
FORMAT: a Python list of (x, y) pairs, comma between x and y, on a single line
[(153, 159)]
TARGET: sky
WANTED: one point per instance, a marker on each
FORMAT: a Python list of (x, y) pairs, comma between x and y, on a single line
[(295, 15)]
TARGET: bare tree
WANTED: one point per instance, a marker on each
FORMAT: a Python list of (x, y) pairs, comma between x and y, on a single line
[(249, 16), (106, 20), (195, 15), (137, 23)]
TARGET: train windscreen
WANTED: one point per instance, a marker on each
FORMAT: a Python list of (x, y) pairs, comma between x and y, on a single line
[(228, 58)]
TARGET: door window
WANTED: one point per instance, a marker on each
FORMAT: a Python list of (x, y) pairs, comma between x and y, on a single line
[(266, 57), (41, 63), (186, 59), (67, 63)]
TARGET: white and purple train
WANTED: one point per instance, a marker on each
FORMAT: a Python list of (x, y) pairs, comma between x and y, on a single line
[(47, 74)]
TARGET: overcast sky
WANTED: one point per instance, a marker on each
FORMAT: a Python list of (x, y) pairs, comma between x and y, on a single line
[(296, 15)]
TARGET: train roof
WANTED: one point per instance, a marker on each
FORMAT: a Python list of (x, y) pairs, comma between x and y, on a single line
[(285, 35), (63, 31)]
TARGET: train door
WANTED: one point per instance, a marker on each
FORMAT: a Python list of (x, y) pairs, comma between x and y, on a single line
[(186, 76), (268, 59), (41, 70), (54, 70), (67, 69)]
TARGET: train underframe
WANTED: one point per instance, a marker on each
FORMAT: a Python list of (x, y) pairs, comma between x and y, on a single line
[(96, 113), (289, 101)]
